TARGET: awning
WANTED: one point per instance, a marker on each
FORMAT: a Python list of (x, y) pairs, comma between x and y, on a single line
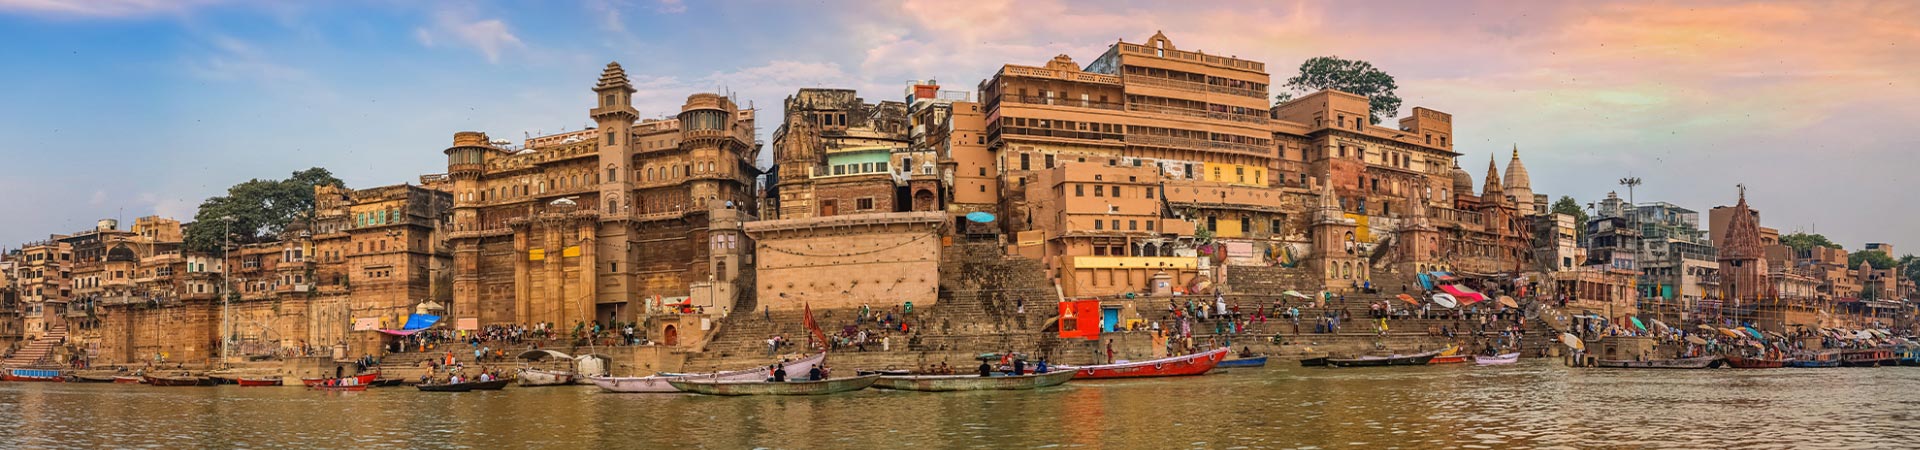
[(415, 323)]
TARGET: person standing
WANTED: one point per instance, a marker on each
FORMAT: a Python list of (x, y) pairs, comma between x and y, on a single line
[(1109, 351)]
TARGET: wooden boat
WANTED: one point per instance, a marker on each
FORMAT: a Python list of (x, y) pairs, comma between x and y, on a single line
[(128, 380), (49, 375), (93, 378), (1417, 359), (1909, 356), (257, 382), (542, 377), (1314, 362), (365, 378), (1873, 357), (884, 372), (1816, 360), (660, 383), (944, 383), (1194, 364), (823, 387), (1677, 363), (1503, 358), (179, 381), (1450, 359), (1742, 362), (1258, 361), (493, 385), (342, 388), (387, 382)]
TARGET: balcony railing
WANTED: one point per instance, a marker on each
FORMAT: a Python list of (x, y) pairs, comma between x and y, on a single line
[(1189, 86), (1184, 112), (1178, 142), (1040, 72), (1055, 101)]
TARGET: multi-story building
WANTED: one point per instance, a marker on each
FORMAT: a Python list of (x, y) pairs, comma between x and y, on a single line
[(12, 328), (1676, 261), (586, 226)]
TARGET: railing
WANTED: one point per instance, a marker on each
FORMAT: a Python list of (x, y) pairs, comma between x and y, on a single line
[(1191, 86), (1178, 142), (1069, 134), (1085, 77), (1184, 112), (1195, 57), (502, 231), (1055, 101)]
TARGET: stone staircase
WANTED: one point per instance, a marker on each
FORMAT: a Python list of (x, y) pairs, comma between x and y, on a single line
[(39, 352)]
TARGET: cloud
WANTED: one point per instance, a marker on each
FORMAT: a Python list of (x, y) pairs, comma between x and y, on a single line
[(233, 59), (490, 37), (671, 7), (102, 8)]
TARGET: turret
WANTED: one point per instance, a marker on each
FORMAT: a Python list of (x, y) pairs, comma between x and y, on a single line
[(615, 116)]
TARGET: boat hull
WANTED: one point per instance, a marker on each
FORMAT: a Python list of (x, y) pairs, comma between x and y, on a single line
[(1194, 364), (823, 387), (658, 384), (41, 375), (365, 378), (128, 380), (494, 385), (1503, 358), (1242, 362), (948, 383), (1314, 362), (1397, 360), (258, 382), (179, 381), (539, 377), (1678, 363), (1739, 362), (1868, 358), (94, 378), (348, 388), (1451, 359)]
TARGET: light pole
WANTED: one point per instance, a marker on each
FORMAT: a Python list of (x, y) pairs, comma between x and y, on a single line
[(1630, 183), (226, 290)]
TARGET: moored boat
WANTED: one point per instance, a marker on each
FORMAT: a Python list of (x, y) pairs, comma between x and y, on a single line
[(492, 385), (258, 382), (822, 387), (1742, 362), (1417, 359), (365, 378), (347, 387), (179, 381), (93, 378), (1816, 360), (128, 380), (945, 383), (1315, 362), (1450, 359), (659, 383), (1194, 364), (1676, 363), (543, 377), (52, 375), (1503, 358), (1258, 361), (1871, 357)]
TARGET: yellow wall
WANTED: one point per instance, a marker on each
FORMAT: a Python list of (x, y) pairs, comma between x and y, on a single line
[(1226, 173)]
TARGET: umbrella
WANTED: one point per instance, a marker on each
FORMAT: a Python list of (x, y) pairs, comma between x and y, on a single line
[(1660, 325), (1756, 345), (1696, 340), (1572, 341), (1505, 300), (1445, 301), (1755, 333), (1708, 328), (1638, 324), (1297, 294), (1408, 298), (1730, 333)]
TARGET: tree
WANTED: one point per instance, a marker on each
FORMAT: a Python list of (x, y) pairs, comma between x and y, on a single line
[(1875, 258), (1351, 76), (1911, 265), (1567, 205), (261, 209), (1804, 241)]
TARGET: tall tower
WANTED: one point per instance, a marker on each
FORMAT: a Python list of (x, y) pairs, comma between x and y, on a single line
[(612, 257), (1492, 193), (466, 162), (1519, 186), (1743, 267), (1335, 248)]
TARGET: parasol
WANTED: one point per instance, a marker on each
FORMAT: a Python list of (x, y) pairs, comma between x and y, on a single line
[(1638, 324), (1572, 341), (1508, 301), (1730, 333), (1408, 298), (1445, 301), (1696, 340)]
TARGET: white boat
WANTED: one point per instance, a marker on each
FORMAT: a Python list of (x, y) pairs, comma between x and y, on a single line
[(1503, 358), (542, 377), (661, 383)]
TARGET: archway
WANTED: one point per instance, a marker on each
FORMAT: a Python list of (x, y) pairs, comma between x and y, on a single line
[(671, 336)]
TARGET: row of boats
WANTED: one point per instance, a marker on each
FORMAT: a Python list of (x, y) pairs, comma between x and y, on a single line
[(1873, 357), (1447, 356), (756, 381)]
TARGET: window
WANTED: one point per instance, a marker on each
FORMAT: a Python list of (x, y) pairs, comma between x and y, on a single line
[(1149, 193), (609, 100), (612, 176), (609, 137), (1116, 224), (1049, 161), (1211, 224), (1246, 224), (1098, 190), (1149, 225), (1275, 228), (1133, 225), (1079, 190), (1097, 224), (1024, 162), (864, 203)]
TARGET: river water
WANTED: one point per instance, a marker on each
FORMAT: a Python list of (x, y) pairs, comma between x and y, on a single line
[(1535, 404)]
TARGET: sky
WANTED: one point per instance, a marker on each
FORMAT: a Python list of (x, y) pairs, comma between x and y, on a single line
[(126, 108)]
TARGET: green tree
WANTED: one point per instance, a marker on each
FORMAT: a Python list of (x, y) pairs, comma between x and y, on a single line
[(1351, 76), (1804, 241), (1567, 205), (1875, 258), (260, 209), (1911, 266)]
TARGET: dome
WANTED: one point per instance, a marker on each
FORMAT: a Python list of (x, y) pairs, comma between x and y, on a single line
[(1462, 181)]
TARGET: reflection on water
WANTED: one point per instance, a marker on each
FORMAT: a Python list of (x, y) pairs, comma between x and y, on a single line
[(1534, 404)]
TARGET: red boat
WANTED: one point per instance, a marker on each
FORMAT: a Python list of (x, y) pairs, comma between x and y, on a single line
[(33, 375), (362, 379), (1194, 364), (252, 382), (1741, 362), (350, 387), (1451, 359)]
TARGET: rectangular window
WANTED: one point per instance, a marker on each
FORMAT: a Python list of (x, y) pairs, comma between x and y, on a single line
[(1025, 161), (1133, 225), (1079, 190), (1275, 228), (1098, 190), (1149, 225), (1116, 224), (865, 203), (1097, 224), (1149, 193)]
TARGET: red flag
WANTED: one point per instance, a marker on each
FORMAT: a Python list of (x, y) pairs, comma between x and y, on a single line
[(819, 337)]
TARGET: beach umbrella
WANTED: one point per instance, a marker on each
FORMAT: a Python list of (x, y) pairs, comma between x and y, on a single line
[(1445, 301), (1408, 298), (1755, 333), (1756, 345), (1730, 333), (1696, 340), (1572, 341), (1657, 324), (1637, 324), (1508, 301), (1709, 328), (1297, 294)]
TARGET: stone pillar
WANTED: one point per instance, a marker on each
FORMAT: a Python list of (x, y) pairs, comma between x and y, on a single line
[(589, 272), (553, 304), (522, 278)]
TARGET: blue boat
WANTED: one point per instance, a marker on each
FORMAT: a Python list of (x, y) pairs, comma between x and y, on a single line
[(1260, 361)]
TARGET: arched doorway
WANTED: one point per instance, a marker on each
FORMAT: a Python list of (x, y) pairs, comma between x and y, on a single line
[(671, 336)]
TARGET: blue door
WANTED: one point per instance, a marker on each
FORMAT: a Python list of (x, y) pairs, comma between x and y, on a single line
[(1109, 319)]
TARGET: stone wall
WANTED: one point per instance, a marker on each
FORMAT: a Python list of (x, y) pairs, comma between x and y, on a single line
[(847, 261)]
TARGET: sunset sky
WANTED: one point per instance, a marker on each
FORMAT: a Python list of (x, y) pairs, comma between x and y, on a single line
[(124, 108)]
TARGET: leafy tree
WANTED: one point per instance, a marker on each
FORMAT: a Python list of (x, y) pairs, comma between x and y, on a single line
[(260, 209), (1911, 265), (1567, 205), (1875, 258), (1804, 241), (1351, 76)]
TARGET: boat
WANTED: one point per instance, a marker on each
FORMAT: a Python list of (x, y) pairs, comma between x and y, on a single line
[(1314, 362), (1257, 361), (1873, 357), (543, 377), (1194, 364), (1417, 359), (365, 378), (1742, 362), (1451, 355), (1503, 358), (93, 378), (257, 382), (128, 380), (52, 375), (822, 387), (342, 388), (1910, 356), (883, 372), (179, 381), (944, 383), (1702, 362), (387, 382), (1816, 360), (660, 383), (492, 385)]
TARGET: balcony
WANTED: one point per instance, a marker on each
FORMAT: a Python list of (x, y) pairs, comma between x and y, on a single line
[(1189, 86), (1068, 102), (1198, 114), (1191, 143), (1039, 72)]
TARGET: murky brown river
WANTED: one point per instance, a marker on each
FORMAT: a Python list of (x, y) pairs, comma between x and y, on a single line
[(1531, 405)]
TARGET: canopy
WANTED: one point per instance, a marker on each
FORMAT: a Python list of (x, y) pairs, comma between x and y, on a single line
[(1425, 282), (1508, 301), (1638, 324), (1709, 328), (1757, 345), (1696, 340), (1408, 298), (538, 354), (1297, 294), (1756, 333), (1445, 301), (1468, 296), (415, 323)]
